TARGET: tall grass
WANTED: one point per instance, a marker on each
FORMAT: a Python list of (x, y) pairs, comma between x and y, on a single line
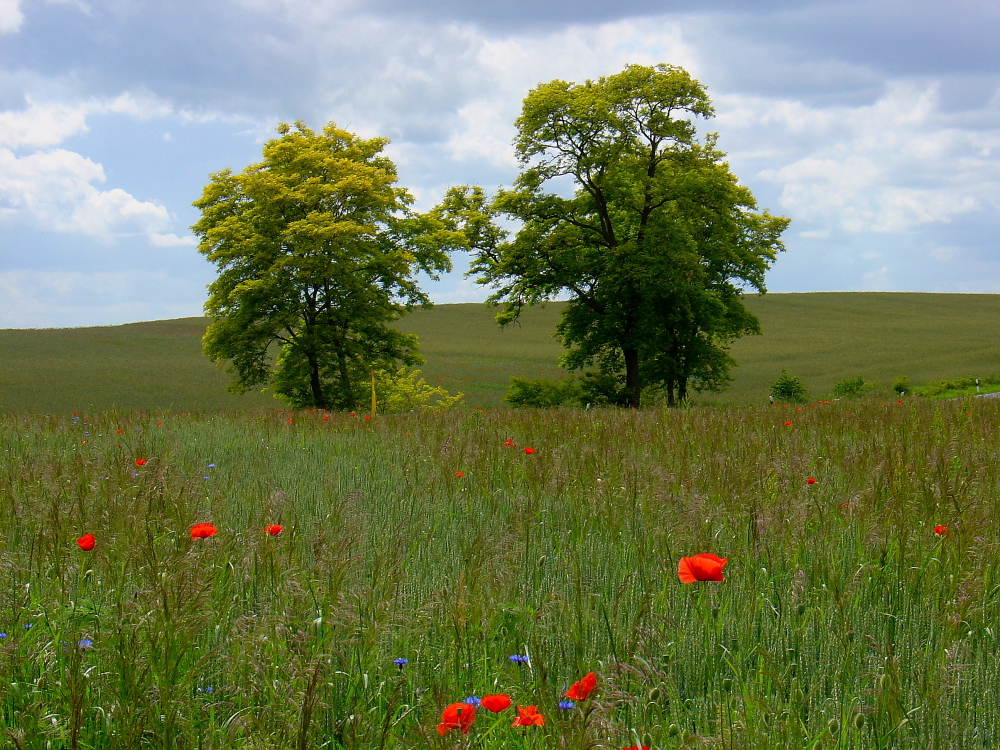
[(843, 622)]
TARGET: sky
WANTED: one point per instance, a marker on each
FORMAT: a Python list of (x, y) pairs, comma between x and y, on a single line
[(873, 124)]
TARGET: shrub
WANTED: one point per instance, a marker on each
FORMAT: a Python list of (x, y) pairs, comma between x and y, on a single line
[(603, 389), (901, 385), (542, 392), (405, 390), (787, 388), (852, 387), (937, 387)]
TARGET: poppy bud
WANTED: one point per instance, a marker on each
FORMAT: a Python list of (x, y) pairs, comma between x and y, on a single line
[(727, 684), (673, 730), (833, 725), (801, 609), (859, 721), (654, 695)]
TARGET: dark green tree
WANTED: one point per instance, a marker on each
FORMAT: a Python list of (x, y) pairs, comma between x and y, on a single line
[(316, 249), (653, 247)]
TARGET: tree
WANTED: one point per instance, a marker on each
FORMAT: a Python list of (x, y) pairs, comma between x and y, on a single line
[(654, 246), (316, 249)]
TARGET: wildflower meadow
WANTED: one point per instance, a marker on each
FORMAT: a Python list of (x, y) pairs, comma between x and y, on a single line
[(813, 576)]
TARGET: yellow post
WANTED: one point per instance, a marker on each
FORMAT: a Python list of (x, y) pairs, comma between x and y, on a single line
[(373, 393)]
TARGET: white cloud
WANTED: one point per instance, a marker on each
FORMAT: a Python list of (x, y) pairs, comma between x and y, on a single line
[(875, 281), (887, 167), (11, 16), (172, 240), (56, 190)]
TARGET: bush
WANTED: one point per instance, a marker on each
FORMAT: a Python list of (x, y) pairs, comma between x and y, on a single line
[(901, 385), (602, 389), (937, 387), (542, 392), (787, 388), (405, 390), (852, 387)]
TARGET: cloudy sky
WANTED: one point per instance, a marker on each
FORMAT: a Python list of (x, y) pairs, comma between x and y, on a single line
[(873, 124)]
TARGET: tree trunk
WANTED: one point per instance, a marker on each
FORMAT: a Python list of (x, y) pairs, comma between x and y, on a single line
[(315, 384), (347, 393), (682, 389), (670, 394), (632, 384)]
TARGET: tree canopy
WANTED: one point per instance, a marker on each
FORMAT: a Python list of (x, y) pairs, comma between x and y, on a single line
[(316, 248), (653, 245)]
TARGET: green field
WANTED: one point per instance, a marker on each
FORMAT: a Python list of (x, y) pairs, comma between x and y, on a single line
[(821, 338), (844, 621)]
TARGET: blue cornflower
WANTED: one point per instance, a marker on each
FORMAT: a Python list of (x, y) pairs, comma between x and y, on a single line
[(204, 477), (3, 636), (207, 689), (211, 466), (400, 662), (566, 705), (472, 700), (85, 644), (28, 625), (518, 659)]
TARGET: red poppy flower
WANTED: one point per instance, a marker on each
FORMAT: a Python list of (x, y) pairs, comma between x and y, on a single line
[(273, 529), (637, 747), (368, 416), (529, 451), (86, 542), (508, 443), (495, 703), (140, 462), (899, 400), (289, 420), (326, 418), (941, 530), (702, 567), (459, 474), (788, 424), (159, 423), (118, 432), (203, 531), (528, 716), (457, 716), (580, 689), (353, 414), (810, 480)]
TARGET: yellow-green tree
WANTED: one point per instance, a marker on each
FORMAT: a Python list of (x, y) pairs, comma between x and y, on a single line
[(316, 248)]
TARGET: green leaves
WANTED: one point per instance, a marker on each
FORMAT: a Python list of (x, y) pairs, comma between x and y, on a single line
[(654, 244), (316, 248)]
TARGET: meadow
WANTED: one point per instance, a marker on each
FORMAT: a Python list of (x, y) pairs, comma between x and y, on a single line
[(419, 553), (820, 338)]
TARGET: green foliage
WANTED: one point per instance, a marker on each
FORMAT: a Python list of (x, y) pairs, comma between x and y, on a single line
[(404, 390), (955, 386), (247, 641), (656, 244), (788, 389), (937, 387), (602, 389), (901, 385), (542, 392), (316, 250), (852, 387)]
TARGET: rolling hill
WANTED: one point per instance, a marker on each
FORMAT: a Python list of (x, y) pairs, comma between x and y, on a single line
[(819, 337)]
